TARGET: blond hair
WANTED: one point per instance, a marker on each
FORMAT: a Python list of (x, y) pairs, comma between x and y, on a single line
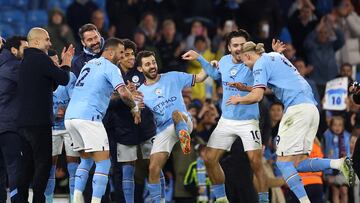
[(251, 46)]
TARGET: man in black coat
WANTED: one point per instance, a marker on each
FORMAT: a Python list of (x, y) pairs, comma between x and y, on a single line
[(10, 58), (355, 90), (38, 77)]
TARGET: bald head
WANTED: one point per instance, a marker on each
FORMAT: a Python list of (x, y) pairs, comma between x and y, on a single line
[(39, 38)]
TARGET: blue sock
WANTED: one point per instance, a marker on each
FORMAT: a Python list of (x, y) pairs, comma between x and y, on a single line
[(71, 167), (155, 192), (82, 173), (49, 191), (100, 178), (219, 190), (263, 197), (292, 178), (162, 183), (313, 165), (181, 126), (128, 182)]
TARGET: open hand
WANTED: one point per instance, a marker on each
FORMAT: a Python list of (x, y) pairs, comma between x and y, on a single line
[(239, 86), (67, 55), (233, 100), (278, 46)]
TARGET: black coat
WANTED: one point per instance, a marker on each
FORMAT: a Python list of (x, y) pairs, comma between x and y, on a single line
[(9, 65), (38, 78)]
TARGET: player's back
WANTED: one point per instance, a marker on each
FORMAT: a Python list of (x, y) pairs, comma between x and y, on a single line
[(283, 78), (93, 88)]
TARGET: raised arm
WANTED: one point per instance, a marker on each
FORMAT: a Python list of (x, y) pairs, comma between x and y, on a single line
[(209, 69)]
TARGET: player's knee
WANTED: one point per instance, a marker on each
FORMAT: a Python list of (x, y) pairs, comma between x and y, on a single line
[(210, 160), (154, 168)]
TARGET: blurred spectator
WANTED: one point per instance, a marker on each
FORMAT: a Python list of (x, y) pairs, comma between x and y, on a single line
[(276, 112), (320, 46), (218, 41), (203, 90), (59, 31), (148, 25), (304, 71), (123, 15), (196, 179), (312, 180), (356, 4), (2, 42), (170, 48), (98, 19), (197, 29), (337, 145), (349, 22), (207, 117), (140, 40), (79, 13), (300, 24)]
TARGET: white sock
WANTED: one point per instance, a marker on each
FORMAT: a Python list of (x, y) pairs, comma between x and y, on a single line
[(304, 200), (78, 197), (336, 163), (95, 200), (162, 200)]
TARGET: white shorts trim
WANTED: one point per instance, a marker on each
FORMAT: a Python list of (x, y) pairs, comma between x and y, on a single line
[(297, 130), (126, 153), (228, 130), (89, 136), (60, 138), (166, 139)]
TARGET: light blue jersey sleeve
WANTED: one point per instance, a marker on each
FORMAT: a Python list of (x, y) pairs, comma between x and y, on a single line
[(70, 86), (261, 74), (113, 75), (209, 69)]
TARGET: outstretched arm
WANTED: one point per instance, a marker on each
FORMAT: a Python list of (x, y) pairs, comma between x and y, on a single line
[(209, 69)]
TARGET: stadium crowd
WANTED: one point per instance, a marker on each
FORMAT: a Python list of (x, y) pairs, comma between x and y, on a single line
[(321, 38)]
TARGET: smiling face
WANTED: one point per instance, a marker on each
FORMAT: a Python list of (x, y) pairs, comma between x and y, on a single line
[(128, 61), (235, 46), (91, 40), (149, 67)]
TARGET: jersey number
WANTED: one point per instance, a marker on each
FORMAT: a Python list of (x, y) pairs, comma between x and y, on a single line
[(255, 135), (84, 73)]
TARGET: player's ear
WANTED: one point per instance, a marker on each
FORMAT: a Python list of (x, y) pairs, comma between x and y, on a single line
[(139, 69)]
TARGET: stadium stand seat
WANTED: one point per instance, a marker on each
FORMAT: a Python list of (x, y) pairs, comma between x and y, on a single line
[(6, 30), (37, 18)]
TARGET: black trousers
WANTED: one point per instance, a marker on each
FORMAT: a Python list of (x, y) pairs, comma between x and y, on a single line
[(36, 146), (3, 192), (356, 157), (10, 154)]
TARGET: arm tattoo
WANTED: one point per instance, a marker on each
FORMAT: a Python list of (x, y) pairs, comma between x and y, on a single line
[(126, 96)]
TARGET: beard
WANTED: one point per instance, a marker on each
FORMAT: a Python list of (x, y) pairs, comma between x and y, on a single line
[(95, 48), (151, 76)]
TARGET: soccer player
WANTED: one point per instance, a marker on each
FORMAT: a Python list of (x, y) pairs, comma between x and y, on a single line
[(236, 121), (162, 94), (126, 135), (83, 117), (300, 122), (60, 136)]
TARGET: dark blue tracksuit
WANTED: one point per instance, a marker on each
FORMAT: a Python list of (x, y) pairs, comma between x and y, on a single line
[(120, 127), (10, 142)]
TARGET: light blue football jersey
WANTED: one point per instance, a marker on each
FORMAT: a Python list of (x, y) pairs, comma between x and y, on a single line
[(229, 71), (275, 71), (61, 98), (91, 95), (165, 96)]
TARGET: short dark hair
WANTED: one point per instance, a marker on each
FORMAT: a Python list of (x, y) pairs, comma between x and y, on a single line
[(236, 33), (277, 103), (14, 41), (85, 28), (143, 54), (199, 38), (112, 42), (128, 44)]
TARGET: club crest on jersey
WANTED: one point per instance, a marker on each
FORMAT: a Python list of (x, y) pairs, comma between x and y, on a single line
[(135, 78), (233, 72), (158, 92)]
